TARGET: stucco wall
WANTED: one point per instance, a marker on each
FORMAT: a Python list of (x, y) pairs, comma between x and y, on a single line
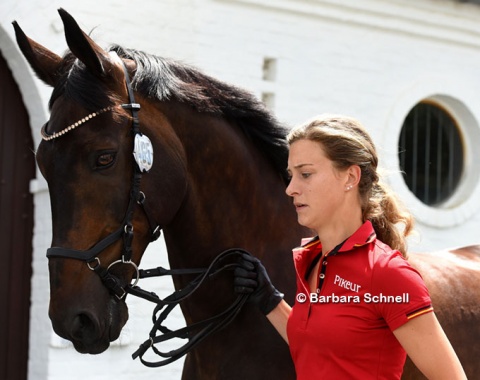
[(370, 59)]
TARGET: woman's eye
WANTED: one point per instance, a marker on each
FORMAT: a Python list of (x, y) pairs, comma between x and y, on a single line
[(306, 175), (105, 160)]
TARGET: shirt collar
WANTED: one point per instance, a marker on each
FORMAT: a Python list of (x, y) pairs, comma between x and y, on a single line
[(364, 235)]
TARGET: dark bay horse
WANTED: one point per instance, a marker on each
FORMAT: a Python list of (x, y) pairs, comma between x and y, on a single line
[(217, 181)]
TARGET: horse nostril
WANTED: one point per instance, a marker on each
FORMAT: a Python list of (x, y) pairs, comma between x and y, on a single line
[(83, 328)]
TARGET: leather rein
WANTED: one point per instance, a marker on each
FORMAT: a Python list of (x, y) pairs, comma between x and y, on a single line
[(194, 333)]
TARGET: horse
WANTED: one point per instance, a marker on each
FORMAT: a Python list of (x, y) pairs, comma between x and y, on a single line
[(209, 161)]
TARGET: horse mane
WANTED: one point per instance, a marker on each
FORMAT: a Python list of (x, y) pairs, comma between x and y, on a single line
[(165, 79)]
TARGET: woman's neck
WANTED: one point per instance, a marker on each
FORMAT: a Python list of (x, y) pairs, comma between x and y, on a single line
[(339, 230)]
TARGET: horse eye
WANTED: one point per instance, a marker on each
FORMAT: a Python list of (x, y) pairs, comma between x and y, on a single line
[(105, 160)]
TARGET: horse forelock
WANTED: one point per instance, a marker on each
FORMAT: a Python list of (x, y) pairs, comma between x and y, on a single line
[(78, 85), (165, 79)]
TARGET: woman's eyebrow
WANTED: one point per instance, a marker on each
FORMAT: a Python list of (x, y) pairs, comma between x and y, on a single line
[(298, 166)]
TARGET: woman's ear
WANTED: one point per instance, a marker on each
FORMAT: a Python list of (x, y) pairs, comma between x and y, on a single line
[(354, 173)]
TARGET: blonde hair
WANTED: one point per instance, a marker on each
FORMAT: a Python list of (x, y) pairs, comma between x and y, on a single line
[(346, 143)]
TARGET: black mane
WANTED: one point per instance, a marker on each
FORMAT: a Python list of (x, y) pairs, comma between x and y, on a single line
[(164, 79)]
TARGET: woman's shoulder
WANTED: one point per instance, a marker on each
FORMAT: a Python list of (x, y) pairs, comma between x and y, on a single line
[(384, 252), (388, 263)]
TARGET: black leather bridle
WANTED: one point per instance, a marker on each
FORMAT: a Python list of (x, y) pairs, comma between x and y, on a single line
[(195, 333), (125, 231)]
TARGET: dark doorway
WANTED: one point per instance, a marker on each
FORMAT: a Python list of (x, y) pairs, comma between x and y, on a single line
[(17, 168)]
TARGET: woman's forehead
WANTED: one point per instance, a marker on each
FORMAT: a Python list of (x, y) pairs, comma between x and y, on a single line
[(305, 152), (306, 148)]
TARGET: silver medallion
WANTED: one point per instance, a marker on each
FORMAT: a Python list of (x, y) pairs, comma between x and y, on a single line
[(143, 152)]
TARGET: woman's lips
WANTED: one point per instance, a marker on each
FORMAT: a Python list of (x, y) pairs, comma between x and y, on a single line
[(299, 206)]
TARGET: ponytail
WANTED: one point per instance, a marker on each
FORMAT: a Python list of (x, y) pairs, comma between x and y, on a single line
[(387, 215)]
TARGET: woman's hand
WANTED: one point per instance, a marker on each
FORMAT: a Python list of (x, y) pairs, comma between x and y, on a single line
[(251, 278)]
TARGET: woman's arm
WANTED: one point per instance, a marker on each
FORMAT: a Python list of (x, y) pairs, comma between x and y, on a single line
[(278, 317), (429, 348)]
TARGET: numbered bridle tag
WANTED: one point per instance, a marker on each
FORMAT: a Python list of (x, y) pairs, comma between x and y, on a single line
[(143, 152)]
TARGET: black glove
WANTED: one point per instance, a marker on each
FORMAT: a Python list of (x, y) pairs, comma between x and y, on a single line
[(252, 278)]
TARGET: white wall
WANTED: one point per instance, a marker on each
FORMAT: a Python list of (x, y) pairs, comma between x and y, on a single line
[(371, 59)]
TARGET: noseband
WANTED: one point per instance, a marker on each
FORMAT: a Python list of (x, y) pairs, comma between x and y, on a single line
[(195, 333)]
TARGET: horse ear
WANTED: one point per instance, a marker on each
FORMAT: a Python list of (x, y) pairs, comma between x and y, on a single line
[(83, 47), (44, 62)]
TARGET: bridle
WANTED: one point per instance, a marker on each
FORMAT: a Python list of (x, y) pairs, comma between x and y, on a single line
[(143, 154)]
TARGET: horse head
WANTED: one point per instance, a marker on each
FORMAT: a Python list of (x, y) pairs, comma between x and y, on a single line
[(94, 184)]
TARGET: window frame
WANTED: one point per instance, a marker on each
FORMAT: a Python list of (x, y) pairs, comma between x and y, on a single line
[(465, 202)]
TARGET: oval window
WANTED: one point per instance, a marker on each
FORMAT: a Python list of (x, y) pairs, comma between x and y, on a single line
[(431, 153)]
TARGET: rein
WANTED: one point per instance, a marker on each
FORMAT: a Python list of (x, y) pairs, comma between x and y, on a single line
[(143, 154), (196, 332)]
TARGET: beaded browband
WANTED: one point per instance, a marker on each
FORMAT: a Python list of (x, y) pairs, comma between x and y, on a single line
[(46, 136)]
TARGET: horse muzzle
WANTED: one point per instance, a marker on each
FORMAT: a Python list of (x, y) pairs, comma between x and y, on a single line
[(81, 309), (88, 333)]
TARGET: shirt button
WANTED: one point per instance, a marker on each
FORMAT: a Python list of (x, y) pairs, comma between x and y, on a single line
[(322, 276), (324, 263)]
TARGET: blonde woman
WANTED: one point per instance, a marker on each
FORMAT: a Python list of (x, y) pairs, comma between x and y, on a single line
[(360, 307)]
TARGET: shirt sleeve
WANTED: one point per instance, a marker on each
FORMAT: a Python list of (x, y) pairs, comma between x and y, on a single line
[(401, 291)]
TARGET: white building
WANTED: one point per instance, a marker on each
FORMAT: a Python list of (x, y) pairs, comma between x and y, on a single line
[(375, 60)]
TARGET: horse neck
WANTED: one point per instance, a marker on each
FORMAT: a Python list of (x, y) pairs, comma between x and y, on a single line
[(234, 197)]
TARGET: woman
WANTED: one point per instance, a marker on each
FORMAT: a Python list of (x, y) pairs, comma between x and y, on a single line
[(360, 307)]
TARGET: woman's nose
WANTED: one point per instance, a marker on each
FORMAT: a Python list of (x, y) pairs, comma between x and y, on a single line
[(290, 190)]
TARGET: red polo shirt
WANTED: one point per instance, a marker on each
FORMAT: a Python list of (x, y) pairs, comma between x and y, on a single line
[(344, 330)]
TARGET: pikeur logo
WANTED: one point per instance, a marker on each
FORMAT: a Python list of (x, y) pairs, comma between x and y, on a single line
[(346, 284)]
